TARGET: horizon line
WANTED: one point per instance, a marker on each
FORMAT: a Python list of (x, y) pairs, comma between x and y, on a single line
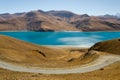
[(56, 10)]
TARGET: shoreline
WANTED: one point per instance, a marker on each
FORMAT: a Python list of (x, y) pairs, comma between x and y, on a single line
[(56, 31), (54, 46), (66, 46)]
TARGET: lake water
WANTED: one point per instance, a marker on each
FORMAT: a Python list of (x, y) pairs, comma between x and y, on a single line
[(75, 39)]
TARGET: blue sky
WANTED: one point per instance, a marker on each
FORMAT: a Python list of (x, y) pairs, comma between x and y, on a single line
[(91, 7)]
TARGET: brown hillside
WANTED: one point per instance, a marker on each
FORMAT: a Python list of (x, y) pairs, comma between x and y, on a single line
[(27, 54), (110, 46), (85, 22), (34, 21), (57, 21)]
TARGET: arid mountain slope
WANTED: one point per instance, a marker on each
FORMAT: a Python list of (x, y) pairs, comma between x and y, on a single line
[(85, 22), (57, 21), (35, 21)]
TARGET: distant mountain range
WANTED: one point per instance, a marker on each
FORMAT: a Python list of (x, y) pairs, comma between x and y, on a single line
[(58, 21)]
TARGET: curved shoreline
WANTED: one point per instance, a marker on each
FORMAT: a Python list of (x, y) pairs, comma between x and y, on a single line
[(101, 62)]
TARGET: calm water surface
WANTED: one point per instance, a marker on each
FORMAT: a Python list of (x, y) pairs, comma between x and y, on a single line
[(77, 39)]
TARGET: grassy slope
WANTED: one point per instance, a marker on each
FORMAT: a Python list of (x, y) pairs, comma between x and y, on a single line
[(23, 53), (110, 46)]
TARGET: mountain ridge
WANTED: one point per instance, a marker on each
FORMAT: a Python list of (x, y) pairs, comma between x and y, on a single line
[(57, 21)]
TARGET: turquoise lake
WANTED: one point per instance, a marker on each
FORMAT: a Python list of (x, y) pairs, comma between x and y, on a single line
[(75, 39)]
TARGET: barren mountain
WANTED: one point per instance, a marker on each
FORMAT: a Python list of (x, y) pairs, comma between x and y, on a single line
[(57, 21), (85, 22)]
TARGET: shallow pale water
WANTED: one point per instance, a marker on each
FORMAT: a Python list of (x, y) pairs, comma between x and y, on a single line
[(76, 39)]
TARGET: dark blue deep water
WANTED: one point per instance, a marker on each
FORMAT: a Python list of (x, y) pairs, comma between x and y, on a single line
[(79, 39)]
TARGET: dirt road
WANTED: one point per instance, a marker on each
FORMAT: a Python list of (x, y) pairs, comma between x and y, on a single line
[(101, 62)]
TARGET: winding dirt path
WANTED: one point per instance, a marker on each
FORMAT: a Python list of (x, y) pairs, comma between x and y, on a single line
[(102, 61)]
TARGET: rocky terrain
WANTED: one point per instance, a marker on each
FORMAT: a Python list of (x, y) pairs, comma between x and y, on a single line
[(57, 21)]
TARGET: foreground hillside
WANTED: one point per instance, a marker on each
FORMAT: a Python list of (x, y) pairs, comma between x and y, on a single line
[(111, 46), (57, 21), (111, 72), (27, 54)]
